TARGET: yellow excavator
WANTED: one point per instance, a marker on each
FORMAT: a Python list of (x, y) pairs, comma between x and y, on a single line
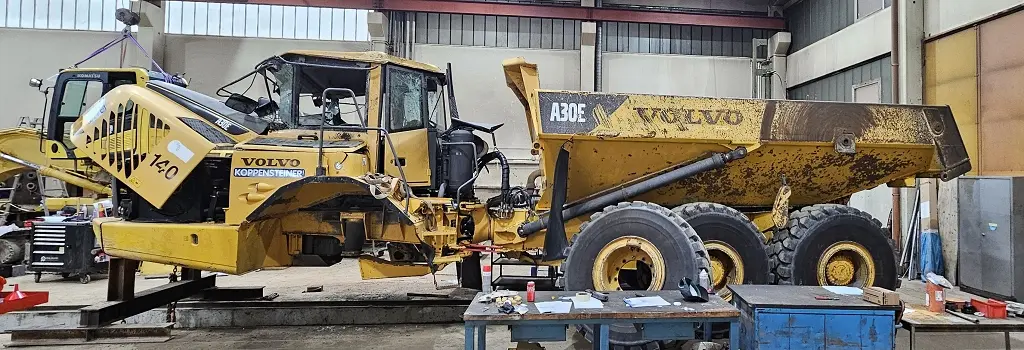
[(41, 148), (640, 191)]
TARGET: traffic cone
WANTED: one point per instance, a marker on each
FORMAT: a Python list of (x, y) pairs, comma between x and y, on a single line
[(15, 295)]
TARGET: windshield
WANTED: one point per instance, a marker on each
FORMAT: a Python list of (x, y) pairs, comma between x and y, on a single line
[(302, 93), (250, 122)]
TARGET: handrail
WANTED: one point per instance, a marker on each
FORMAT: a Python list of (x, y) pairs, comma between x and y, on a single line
[(362, 128)]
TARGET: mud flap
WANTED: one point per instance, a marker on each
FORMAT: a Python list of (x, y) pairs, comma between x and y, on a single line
[(555, 243)]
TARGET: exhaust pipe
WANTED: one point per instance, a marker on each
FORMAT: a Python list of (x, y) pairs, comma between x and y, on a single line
[(555, 242)]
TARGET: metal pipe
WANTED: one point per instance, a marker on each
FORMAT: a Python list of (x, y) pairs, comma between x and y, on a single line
[(598, 52), (715, 161), (60, 175), (894, 58)]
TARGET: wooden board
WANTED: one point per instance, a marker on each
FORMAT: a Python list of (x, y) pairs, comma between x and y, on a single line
[(760, 296), (613, 308)]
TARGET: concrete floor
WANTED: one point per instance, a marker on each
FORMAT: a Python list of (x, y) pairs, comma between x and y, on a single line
[(439, 337), (340, 281)]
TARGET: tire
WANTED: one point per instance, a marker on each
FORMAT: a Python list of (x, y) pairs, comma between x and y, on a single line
[(796, 250), (727, 226), (470, 274), (39, 276), (354, 242), (674, 239), (84, 278), (10, 251)]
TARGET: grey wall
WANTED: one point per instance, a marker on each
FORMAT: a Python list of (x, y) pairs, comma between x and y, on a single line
[(209, 62), (681, 39), (838, 86), (677, 75), (813, 20), (28, 54)]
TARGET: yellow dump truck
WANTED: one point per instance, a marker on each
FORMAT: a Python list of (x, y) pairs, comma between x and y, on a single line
[(640, 191)]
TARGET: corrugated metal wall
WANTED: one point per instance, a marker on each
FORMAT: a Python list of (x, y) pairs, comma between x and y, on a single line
[(838, 86), (497, 31), (813, 20), (681, 39)]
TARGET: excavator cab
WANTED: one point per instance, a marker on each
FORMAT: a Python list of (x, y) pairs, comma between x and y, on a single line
[(74, 90)]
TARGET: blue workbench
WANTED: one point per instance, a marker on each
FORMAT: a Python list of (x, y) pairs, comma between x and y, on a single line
[(790, 318), (653, 323)]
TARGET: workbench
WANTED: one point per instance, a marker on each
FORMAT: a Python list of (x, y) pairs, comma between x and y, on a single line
[(917, 319), (654, 323), (811, 317)]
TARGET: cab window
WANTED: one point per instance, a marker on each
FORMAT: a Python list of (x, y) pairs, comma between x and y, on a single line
[(406, 102), (76, 97)]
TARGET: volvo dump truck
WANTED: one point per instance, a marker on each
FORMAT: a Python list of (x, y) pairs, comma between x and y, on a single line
[(639, 191)]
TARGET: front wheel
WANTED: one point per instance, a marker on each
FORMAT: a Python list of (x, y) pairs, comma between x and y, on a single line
[(632, 246)]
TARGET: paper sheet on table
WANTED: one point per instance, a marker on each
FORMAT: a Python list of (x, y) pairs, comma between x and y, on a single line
[(645, 301), (589, 304), (556, 307), (843, 290)]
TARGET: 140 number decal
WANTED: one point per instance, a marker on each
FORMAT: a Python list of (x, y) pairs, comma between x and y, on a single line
[(164, 167)]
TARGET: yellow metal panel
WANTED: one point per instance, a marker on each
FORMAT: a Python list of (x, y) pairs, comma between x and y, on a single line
[(154, 164), (412, 147), (206, 246), (951, 78), (374, 268)]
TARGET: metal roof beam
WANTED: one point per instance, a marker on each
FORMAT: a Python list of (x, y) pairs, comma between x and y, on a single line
[(530, 10)]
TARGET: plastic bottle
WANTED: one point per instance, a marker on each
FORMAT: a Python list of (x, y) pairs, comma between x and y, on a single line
[(705, 280), (486, 276), (531, 291)]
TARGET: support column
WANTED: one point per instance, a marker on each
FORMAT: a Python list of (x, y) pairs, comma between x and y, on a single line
[(150, 34), (377, 24), (588, 52), (588, 56), (778, 46)]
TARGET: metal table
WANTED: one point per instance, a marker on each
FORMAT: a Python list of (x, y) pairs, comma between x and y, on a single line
[(654, 323), (917, 318)]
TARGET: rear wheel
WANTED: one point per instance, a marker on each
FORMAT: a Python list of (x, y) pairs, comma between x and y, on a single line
[(639, 246), (10, 251), (833, 245), (735, 247)]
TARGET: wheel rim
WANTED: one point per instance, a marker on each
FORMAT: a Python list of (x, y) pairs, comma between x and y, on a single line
[(726, 267), (629, 250), (846, 264)]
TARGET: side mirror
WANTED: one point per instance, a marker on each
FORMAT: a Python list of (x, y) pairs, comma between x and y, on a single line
[(265, 107), (241, 103), (36, 83)]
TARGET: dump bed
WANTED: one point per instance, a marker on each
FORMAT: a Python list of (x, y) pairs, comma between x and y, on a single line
[(824, 150)]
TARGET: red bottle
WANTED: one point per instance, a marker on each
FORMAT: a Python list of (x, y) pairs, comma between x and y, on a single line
[(531, 291)]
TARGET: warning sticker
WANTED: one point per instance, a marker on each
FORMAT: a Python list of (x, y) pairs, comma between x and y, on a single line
[(261, 172)]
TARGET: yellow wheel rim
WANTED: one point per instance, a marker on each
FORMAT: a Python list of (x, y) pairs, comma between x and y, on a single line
[(623, 251), (726, 267), (846, 264)]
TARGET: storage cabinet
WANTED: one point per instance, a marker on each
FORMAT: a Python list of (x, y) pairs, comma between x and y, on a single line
[(991, 236), (790, 318)]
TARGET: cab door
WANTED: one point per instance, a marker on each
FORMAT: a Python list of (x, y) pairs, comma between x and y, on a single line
[(406, 122)]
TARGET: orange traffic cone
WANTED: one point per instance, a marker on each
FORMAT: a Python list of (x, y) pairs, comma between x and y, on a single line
[(15, 295)]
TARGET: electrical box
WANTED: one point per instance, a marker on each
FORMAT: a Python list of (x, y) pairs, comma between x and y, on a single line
[(991, 236)]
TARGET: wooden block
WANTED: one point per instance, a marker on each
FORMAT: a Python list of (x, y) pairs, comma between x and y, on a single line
[(881, 296)]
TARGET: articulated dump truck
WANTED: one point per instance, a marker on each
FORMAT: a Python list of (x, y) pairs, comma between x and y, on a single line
[(640, 191)]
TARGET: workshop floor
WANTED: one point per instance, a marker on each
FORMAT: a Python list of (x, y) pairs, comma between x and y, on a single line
[(438, 337), (340, 281)]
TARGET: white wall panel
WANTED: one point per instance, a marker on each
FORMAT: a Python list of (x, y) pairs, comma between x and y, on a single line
[(864, 40), (677, 75)]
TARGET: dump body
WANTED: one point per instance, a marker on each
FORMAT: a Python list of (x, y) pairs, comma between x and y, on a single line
[(825, 151)]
